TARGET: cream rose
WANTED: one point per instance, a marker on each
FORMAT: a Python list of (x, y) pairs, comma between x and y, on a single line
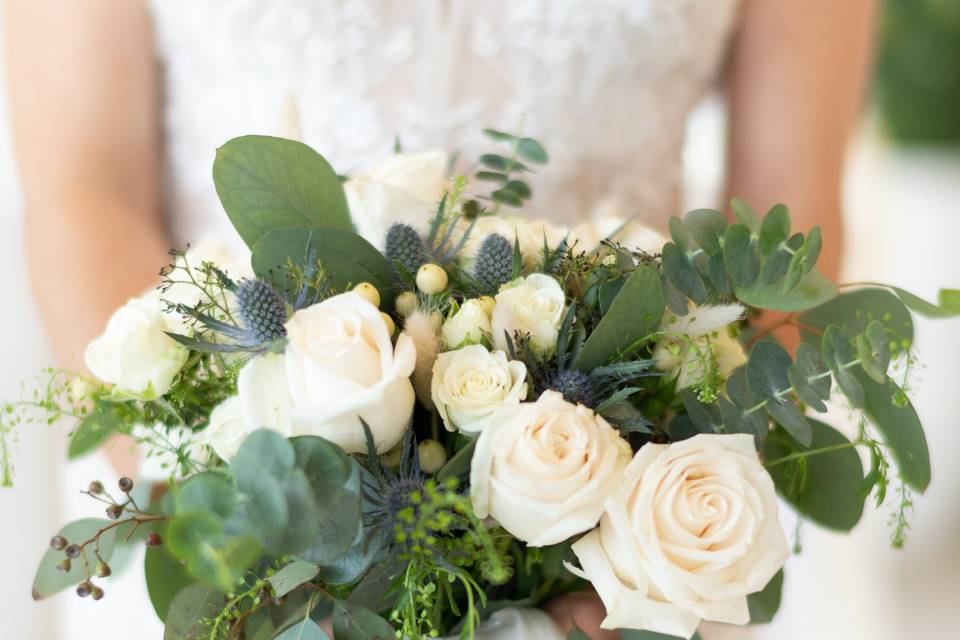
[(542, 469), (688, 533), (341, 366), (469, 325), (471, 383), (262, 402), (531, 306), (402, 188), (135, 354), (707, 328)]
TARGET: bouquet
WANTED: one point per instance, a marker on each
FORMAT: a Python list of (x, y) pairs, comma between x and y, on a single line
[(409, 412)]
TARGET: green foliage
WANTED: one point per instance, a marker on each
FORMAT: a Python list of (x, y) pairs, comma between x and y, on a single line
[(811, 291), (190, 612), (304, 630), (764, 604), (512, 191), (824, 480), (946, 307), (165, 576), (353, 622), (345, 258), (292, 576), (768, 381), (91, 432), (267, 183), (634, 315)]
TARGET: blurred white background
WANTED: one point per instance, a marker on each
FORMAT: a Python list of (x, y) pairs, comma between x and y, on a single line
[(903, 218)]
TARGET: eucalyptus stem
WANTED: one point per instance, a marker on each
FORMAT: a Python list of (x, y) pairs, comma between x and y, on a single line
[(812, 452), (782, 393)]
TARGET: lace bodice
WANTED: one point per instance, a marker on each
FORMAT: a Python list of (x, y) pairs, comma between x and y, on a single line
[(606, 85)]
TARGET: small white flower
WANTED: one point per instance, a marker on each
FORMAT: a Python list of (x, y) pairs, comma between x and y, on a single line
[(542, 469), (135, 354), (471, 383), (469, 325), (688, 533), (530, 306)]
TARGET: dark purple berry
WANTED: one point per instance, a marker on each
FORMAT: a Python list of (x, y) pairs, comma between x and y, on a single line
[(57, 543), (114, 511), (72, 551), (84, 589), (126, 484), (154, 539)]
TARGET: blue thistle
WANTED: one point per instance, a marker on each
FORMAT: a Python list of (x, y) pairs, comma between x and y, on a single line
[(262, 311), (404, 248), (494, 264), (576, 386)]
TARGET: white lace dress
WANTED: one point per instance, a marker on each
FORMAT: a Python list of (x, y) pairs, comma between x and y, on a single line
[(606, 85)]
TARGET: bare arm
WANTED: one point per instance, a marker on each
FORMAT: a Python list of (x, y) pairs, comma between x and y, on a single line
[(83, 110), (798, 73), (82, 90)]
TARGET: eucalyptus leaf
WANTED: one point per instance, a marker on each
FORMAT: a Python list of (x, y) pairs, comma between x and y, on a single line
[(812, 291), (459, 464), (635, 313), (682, 274), (508, 197), (837, 353), (891, 413), (291, 576), (679, 234), (706, 417), (873, 349), (190, 612), (768, 380), (91, 432), (763, 605), (707, 227), (265, 183), (353, 622), (530, 149), (745, 214), (825, 486), (165, 576), (740, 255), (852, 311), (347, 258), (774, 229), (928, 309), (303, 630)]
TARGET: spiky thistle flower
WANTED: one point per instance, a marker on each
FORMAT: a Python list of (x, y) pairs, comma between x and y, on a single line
[(576, 386), (494, 263), (262, 310), (404, 249)]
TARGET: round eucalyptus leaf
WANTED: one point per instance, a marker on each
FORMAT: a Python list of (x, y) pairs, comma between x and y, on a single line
[(706, 226), (740, 255), (774, 229), (682, 274)]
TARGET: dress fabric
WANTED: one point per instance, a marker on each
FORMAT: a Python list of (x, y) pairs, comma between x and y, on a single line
[(605, 85)]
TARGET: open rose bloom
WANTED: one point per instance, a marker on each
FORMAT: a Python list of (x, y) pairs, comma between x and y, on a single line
[(408, 404)]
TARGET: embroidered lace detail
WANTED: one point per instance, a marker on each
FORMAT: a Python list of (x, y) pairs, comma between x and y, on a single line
[(606, 85)]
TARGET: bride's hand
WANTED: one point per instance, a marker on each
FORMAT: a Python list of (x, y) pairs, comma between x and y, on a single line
[(583, 610)]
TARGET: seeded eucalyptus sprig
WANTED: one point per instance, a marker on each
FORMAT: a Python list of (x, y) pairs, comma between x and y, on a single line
[(505, 171)]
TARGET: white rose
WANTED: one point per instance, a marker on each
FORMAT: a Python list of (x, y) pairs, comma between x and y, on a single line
[(689, 532), (341, 366), (707, 328), (630, 235), (471, 383), (226, 430), (469, 325), (402, 188), (262, 402), (532, 306), (542, 469), (135, 353)]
